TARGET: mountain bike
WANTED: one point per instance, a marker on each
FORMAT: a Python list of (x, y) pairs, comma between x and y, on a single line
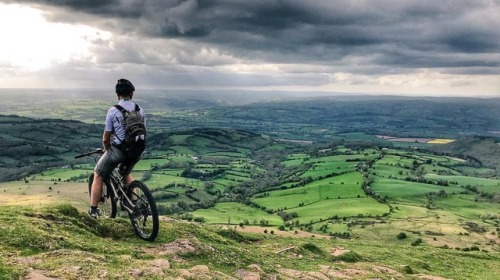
[(134, 198)]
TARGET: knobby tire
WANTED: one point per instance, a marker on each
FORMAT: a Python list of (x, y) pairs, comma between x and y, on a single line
[(144, 217)]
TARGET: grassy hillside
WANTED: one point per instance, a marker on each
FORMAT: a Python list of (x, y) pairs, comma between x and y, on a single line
[(323, 118), (262, 206), (478, 151), (58, 242), (31, 145)]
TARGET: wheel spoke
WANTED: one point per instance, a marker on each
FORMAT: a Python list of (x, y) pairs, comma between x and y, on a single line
[(145, 208)]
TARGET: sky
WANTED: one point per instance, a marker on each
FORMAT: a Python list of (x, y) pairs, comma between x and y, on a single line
[(404, 47)]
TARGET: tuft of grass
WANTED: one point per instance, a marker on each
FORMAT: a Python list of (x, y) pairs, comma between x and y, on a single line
[(349, 257), (67, 210), (313, 248), (237, 236)]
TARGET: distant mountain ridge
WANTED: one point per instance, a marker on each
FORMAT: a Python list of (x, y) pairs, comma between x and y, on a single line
[(312, 116)]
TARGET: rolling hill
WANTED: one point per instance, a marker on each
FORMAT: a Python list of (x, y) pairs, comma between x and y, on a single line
[(251, 204)]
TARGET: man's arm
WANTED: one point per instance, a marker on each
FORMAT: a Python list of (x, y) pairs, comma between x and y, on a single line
[(106, 140)]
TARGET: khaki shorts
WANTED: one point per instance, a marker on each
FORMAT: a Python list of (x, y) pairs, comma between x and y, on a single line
[(111, 159)]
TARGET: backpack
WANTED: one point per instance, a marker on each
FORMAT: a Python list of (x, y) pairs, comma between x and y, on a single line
[(135, 132)]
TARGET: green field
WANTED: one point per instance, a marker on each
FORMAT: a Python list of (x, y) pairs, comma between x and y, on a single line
[(348, 207), (235, 213), (399, 190), (342, 186)]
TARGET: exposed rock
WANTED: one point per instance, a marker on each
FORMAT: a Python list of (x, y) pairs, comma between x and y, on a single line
[(255, 267), (386, 270), (430, 277), (200, 269), (175, 247), (161, 263), (38, 275), (156, 271), (202, 272), (247, 275), (69, 271), (103, 274), (136, 273), (354, 272)]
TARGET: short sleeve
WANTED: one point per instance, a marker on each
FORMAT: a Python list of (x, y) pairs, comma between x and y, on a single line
[(108, 126)]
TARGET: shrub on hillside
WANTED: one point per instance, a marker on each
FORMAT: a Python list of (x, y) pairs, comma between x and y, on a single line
[(402, 236), (416, 242)]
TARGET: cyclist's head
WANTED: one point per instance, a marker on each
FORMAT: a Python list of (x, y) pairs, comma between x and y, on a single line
[(124, 88)]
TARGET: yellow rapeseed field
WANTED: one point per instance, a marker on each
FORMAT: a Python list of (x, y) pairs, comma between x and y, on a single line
[(441, 141)]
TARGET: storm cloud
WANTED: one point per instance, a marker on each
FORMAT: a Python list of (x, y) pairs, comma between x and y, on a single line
[(275, 42)]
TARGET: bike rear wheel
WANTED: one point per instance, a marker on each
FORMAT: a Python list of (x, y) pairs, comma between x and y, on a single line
[(144, 216), (107, 203)]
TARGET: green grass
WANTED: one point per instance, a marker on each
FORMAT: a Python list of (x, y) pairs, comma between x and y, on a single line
[(466, 206), (61, 174), (343, 186), (159, 180), (147, 164), (183, 150), (322, 169), (55, 239), (482, 184), (235, 213), (349, 207), (398, 190)]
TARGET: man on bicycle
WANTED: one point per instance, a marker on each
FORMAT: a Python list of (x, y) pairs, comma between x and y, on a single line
[(112, 138)]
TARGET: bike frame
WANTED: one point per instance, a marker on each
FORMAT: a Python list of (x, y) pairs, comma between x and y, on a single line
[(140, 206), (117, 182)]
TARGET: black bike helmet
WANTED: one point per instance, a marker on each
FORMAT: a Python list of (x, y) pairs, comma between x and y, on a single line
[(124, 87)]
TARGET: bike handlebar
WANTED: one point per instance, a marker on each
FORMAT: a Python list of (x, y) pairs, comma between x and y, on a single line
[(98, 151)]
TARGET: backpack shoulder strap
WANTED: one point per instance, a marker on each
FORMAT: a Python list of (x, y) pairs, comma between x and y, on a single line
[(137, 108), (121, 109)]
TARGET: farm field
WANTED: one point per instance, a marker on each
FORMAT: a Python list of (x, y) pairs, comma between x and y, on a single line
[(236, 213), (342, 192), (37, 193), (342, 186)]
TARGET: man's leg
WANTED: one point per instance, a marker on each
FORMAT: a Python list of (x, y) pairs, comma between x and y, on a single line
[(104, 166), (129, 178), (96, 189), (126, 169)]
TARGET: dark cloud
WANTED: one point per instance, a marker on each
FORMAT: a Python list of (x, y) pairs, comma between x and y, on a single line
[(341, 23), (366, 36)]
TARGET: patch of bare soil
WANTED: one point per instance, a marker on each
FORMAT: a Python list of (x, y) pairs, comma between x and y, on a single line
[(338, 251), (387, 271), (175, 247)]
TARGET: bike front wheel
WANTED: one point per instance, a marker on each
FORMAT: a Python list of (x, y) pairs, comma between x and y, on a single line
[(144, 214), (107, 202)]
